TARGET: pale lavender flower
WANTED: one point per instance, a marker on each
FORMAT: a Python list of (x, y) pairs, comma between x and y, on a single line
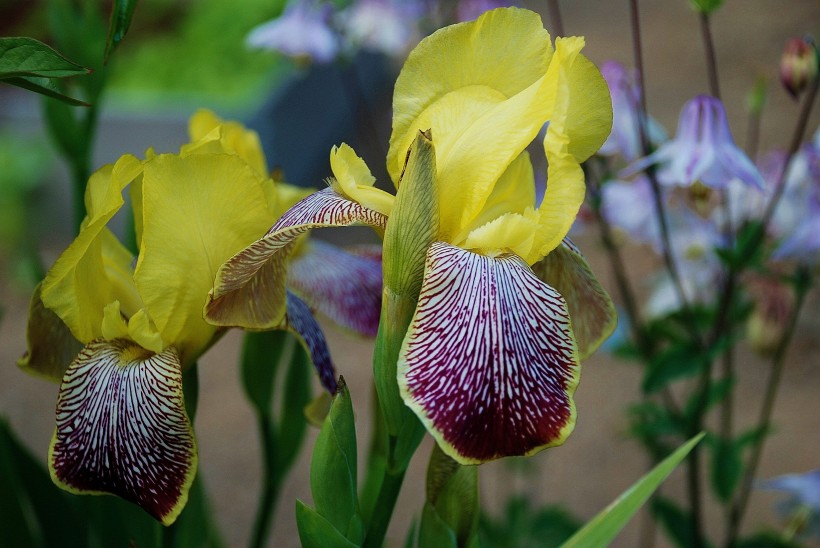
[(702, 150), (302, 31), (803, 493), (629, 206), (625, 138), (386, 26), (693, 241)]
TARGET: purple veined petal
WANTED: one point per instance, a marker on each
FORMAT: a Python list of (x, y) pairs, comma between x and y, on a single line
[(249, 290), (300, 322), (590, 307), (122, 428), (344, 285), (489, 362)]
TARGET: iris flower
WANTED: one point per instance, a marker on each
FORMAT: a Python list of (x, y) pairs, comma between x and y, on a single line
[(118, 330), (507, 306)]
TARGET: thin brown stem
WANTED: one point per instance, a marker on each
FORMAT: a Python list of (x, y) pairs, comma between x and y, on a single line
[(764, 421), (711, 58)]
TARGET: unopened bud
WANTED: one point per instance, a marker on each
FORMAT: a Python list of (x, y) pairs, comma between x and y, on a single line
[(766, 326), (798, 65)]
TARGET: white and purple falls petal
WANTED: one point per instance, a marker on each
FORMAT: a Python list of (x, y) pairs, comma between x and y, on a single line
[(489, 362), (344, 285), (122, 428), (249, 290)]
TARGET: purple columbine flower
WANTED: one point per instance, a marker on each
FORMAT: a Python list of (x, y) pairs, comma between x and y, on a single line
[(702, 150), (625, 138), (629, 206), (386, 26), (302, 31)]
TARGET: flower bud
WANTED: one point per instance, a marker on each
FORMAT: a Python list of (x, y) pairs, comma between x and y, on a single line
[(767, 324), (798, 65)]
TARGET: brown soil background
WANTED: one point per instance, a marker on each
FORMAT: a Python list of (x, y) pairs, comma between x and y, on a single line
[(599, 460)]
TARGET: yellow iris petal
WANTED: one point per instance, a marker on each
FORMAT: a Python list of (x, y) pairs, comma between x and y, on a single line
[(210, 134), (482, 109), (509, 233), (78, 287), (565, 178), (352, 179), (199, 210)]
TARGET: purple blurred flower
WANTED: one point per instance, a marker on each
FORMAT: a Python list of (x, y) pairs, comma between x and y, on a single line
[(629, 207), (302, 31), (702, 150), (468, 10), (804, 494), (387, 26), (626, 97)]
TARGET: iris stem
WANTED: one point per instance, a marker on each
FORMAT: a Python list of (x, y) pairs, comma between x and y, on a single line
[(738, 510), (270, 483), (383, 510)]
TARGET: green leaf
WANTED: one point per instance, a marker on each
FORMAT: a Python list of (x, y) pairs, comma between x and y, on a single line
[(433, 530), (727, 467), (705, 6), (121, 13), (44, 86), (20, 56), (295, 397), (766, 540), (195, 525), (523, 524), (676, 362), (452, 492), (261, 354), (676, 522), (317, 532), (333, 480), (606, 525)]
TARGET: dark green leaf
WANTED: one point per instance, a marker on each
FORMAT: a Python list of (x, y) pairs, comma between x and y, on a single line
[(676, 522), (21, 56), (316, 532), (753, 436), (261, 354), (605, 526), (121, 13), (433, 531), (195, 525), (44, 86), (333, 480), (295, 397), (727, 467), (452, 492), (766, 540), (522, 524), (674, 363), (717, 392)]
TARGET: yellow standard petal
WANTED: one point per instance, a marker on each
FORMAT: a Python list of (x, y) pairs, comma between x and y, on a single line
[(483, 109), (199, 210), (211, 134), (353, 180), (78, 287), (565, 178)]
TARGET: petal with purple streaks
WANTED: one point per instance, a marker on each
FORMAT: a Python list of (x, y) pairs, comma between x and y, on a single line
[(590, 308), (122, 428), (489, 363), (249, 290), (344, 285)]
